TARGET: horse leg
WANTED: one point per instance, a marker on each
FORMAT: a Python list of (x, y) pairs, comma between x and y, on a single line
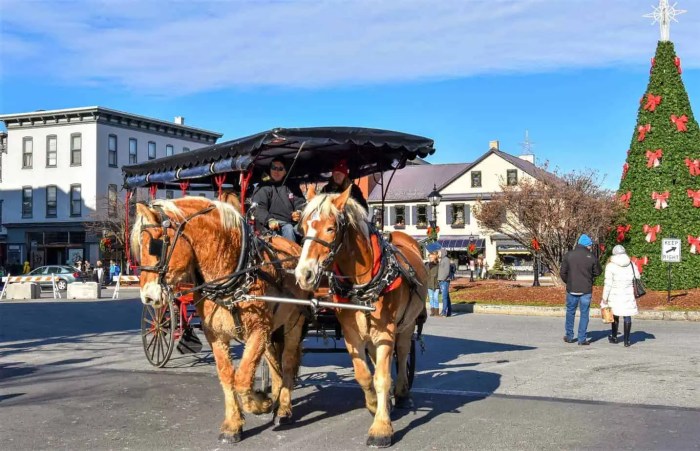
[(356, 349), (381, 430), (273, 355), (291, 360), (232, 427), (402, 396), (253, 402)]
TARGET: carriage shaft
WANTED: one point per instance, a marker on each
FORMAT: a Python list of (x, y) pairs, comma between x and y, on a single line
[(310, 302)]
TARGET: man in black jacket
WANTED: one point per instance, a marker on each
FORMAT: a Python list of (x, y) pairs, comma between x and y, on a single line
[(278, 205), (578, 270), (340, 181)]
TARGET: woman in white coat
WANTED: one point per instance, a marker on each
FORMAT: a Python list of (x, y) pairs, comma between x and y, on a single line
[(618, 292)]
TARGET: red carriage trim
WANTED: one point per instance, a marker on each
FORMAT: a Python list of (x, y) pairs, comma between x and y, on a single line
[(377, 252)]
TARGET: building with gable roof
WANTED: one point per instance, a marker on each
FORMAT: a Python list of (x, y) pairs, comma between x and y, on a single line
[(461, 186)]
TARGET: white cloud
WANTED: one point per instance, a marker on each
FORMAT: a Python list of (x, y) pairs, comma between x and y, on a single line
[(186, 47)]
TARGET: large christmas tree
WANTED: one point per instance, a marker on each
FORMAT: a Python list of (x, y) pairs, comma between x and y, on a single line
[(661, 178)]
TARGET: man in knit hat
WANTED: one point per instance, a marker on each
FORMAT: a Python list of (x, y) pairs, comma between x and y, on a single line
[(578, 270), (340, 181)]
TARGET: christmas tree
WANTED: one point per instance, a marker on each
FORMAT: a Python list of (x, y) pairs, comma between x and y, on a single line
[(660, 183)]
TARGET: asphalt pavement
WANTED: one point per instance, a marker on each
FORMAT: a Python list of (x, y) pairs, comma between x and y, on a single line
[(73, 376)]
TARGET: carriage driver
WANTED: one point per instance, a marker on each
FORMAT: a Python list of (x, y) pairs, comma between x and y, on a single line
[(279, 206), (341, 180)]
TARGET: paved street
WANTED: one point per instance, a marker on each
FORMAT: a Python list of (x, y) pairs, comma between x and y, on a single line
[(73, 376)]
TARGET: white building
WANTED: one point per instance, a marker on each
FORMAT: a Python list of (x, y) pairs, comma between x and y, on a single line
[(461, 186), (59, 163)]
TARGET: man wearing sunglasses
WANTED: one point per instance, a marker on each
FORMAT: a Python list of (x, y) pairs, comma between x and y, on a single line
[(279, 206)]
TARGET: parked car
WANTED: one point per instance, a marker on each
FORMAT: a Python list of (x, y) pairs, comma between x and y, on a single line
[(64, 275)]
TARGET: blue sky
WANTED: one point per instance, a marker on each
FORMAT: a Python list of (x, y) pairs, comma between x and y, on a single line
[(461, 72)]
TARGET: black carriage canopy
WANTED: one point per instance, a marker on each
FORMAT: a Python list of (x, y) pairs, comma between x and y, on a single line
[(310, 154)]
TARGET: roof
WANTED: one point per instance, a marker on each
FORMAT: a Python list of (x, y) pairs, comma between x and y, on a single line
[(416, 182), (310, 153), (518, 162), (40, 115)]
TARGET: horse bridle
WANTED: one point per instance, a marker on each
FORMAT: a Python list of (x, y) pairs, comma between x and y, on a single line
[(164, 248), (341, 225)]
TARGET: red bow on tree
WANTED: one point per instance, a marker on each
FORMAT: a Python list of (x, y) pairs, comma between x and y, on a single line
[(694, 244), (696, 197), (653, 63), (651, 232), (677, 62), (472, 248), (661, 199), (693, 165), (640, 262), (652, 102), (601, 246), (625, 168), (625, 198), (680, 122), (621, 230), (535, 245), (643, 130), (653, 157)]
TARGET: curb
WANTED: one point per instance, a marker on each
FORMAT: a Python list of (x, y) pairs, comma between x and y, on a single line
[(524, 310)]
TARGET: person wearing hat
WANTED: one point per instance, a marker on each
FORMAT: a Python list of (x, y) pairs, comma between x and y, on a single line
[(340, 180), (579, 268), (618, 292), (278, 205)]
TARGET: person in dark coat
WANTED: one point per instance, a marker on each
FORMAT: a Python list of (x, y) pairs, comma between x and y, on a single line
[(278, 205), (579, 270), (444, 272), (433, 266), (341, 180)]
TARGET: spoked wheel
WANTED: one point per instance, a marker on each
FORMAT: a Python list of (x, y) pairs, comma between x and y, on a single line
[(158, 326), (410, 362)]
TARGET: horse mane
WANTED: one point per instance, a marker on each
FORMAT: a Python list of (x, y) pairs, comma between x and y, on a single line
[(229, 216), (356, 215)]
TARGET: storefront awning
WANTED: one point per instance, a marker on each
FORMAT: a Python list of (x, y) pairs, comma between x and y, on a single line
[(460, 243)]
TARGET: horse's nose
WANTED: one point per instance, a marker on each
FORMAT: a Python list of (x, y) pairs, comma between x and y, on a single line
[(308, 276)]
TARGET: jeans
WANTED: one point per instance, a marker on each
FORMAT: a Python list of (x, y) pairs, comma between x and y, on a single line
[(287, 230), (433, 298), (446, 302), (573, 301)]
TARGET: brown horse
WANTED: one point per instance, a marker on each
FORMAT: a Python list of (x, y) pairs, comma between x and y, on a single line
[(337, 233), (194, 239)]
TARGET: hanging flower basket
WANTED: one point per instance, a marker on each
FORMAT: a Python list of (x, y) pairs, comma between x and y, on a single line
[(106, 244)]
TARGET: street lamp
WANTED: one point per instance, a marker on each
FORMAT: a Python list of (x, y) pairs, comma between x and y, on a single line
[(434, 198)]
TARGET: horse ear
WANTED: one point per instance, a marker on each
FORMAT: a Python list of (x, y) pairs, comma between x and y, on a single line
[(310, 191), (145, 212), (341, 200)]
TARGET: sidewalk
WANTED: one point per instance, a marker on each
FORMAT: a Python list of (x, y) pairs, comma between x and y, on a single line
[(667, 315)]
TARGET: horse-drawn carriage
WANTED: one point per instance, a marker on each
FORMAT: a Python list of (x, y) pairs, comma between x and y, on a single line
[(265, 290)]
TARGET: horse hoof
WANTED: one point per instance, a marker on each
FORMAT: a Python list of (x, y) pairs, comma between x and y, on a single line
[(283, 420), (379, 442), (403, 402), (227, 437)]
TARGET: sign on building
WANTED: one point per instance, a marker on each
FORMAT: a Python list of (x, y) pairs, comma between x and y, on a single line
[(671, 250)]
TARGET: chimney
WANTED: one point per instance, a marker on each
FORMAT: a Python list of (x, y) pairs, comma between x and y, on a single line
[(494, 145), (528, 157), (179, 120)]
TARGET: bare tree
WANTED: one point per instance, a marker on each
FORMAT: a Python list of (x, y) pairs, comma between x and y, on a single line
[(554, 209), (109, 220)]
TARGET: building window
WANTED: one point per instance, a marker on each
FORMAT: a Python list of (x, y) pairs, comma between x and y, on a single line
[(512, 177), (422, 216), (112, 151), (51, 203), (76, 200), (112, 200), (151, 150), (51, 151), (476, 179), (168, 194), (185, 149), (133, 151), (76, 148), (27, 153), (27, 201), (457, 219), (399, 216), (169, 150)]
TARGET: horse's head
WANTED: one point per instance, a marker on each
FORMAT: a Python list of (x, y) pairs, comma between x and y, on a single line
[(164, 260), (324, 223)]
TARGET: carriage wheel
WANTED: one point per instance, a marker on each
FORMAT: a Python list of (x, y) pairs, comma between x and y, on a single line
[(158, 327)]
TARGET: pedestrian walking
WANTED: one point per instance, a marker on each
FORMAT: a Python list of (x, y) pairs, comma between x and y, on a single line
[(433, 267), (444, 282), (27, 268), (579, 269), (618, 292)]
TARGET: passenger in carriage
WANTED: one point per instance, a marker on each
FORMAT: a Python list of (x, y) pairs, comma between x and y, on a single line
[(340, 180), (278, 204)]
